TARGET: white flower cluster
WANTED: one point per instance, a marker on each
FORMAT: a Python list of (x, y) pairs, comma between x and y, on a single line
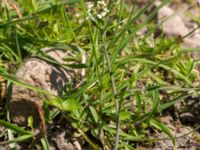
[(99, 10)]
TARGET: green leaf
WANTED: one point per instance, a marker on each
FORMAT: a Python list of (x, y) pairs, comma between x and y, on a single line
[(138, 102), (162, 127), (173, 101), (57, 102), (155, 100), (70, 105), (30, 122), (45, 143), (18, 139), (94, 113), (125, 115), (14, 128), (77, 66), (10, 138), (123, 134), (67, 105), (162, 65)]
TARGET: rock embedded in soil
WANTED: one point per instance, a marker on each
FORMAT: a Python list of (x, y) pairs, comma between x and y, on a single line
[(184, 142), (173, 25), (179, 24), (38, 73), (192, 42), (62, 142)]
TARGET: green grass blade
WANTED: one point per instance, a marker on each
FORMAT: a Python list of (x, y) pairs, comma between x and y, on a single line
[(160, 126), (45, 143), (94, 114), (14, 128), (18, 139), (156, 100), (173, 101), (17, 80)]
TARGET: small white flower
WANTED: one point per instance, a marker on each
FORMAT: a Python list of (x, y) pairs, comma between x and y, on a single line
[(102, 2), (99, 16), (98, 11), (90, 17), (90, 5)]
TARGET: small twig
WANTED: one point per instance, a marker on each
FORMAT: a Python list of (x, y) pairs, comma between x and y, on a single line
[(42, 129), (41, 117), (14, 5)]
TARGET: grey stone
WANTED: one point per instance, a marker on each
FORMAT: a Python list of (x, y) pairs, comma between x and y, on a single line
[(173, 25), (43, 75)]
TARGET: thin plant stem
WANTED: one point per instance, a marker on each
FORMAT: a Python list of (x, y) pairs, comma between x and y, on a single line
[(114, 92)]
